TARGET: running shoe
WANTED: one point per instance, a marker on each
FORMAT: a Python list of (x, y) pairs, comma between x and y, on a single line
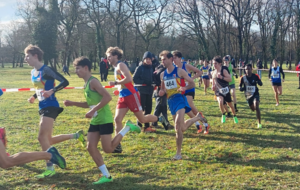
[(223, 119), (149, 130), (235, 119), (202, 118), (259, 126), (177, 157), (229, 115), (103, 179), (81, 138), (170, 127), (47, 173), (236, 110), (206, 129), (277, 105), (118, 149), (57, 158), (133, 127), (163, 121), (199, 127)]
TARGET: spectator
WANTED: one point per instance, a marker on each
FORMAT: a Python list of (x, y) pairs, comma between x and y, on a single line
[(155, 62), (103, 69), (298, 69), (126, 63), (161, 101), (142, 78), (259, 66), (233, 63), (66, 70)]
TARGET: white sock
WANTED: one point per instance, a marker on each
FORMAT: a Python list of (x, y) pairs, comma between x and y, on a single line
[(197, 123), (124, 130), (104, 171)]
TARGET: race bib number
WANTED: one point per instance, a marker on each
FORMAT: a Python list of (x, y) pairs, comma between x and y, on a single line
[(170, 84), (186, 83), (39, 94), (275, 75), (205, 73), (250, 89), (224, 91), (96, 113)]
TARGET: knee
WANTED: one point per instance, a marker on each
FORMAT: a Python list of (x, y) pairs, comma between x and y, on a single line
[(91, 148), (107, 149), (118, 119)]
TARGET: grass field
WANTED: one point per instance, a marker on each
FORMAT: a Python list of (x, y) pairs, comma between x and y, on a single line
[(232, 156)]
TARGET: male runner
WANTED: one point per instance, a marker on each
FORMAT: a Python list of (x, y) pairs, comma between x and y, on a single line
[(190, 93), (228, 64), (178, 105), (128, 95), (101, 126), (250, 81), (25, 157), (221, 79), (43, 78)]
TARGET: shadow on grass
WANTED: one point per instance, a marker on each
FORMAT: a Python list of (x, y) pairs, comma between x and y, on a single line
[(81, 181)]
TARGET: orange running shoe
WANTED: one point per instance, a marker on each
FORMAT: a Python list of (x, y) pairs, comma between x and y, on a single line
[(149, 130), (200, 129), (206, 129)]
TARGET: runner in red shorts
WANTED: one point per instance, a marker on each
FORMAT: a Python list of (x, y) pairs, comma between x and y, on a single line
[(129, 98)]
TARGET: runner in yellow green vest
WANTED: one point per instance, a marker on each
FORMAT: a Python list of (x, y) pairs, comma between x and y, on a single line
[(101, 125)]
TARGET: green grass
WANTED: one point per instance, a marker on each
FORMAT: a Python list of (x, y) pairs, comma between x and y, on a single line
[(232, 156)]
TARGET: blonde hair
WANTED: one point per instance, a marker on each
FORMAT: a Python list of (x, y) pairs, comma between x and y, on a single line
[(34, 50), (115, 51)]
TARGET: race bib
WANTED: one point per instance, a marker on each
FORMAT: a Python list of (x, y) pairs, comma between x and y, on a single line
[(275, 75), (96, 113), (170, 84), (205, 73), (186, 83), (224, 91), (39, 94), (250, 89)]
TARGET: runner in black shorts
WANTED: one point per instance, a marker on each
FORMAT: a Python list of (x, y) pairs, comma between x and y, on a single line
[(250, 81), (221, 79)]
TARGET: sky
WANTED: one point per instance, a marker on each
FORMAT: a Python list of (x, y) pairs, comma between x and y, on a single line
[(8, 10)]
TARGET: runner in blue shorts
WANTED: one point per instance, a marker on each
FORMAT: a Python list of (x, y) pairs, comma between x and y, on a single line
[(172, 85)]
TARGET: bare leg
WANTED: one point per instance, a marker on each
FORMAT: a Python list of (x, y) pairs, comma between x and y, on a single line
[(256, 103), (93, 139), (279, 88), (109, 144), (221, 103), (230, 104), (191, 104), (145, 118), (119, 116), (189, 122), (276, 94), (179, 123), (233, 95), (20, 158)]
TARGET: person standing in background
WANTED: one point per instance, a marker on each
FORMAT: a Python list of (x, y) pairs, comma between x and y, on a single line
[(102, 69)]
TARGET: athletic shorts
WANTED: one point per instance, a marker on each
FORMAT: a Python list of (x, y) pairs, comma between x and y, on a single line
[(232, 86), (251, 100), (276, 83), (133, 102), (177, 102), (51, 112), (190, 94), (103, 129), (227, 97), (205, 77)]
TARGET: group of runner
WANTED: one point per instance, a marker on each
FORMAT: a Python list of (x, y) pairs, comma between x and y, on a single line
[(176, 83)]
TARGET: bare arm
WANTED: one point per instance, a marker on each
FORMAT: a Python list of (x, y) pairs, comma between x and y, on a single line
[(226, 77), (162, 90), (190, 68), (125, 72)]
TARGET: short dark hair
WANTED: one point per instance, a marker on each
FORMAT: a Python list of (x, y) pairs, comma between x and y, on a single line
[(166, 53), (248, 65), (218, 59), (177, 53), (83, 61)]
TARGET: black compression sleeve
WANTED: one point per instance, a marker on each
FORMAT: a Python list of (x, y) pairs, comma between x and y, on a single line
[(49, 72), (281, 71), (35, 96)]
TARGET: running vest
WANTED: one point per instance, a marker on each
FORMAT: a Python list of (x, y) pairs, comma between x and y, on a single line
[(275, 75), (101, 116), (205, 71), (231, 74), (172, 82), (40, 84), (222, 85), (186, 83), (250, 89), (125, 89)]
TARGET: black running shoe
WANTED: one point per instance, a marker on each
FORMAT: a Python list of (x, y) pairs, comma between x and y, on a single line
[(118, 149)]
